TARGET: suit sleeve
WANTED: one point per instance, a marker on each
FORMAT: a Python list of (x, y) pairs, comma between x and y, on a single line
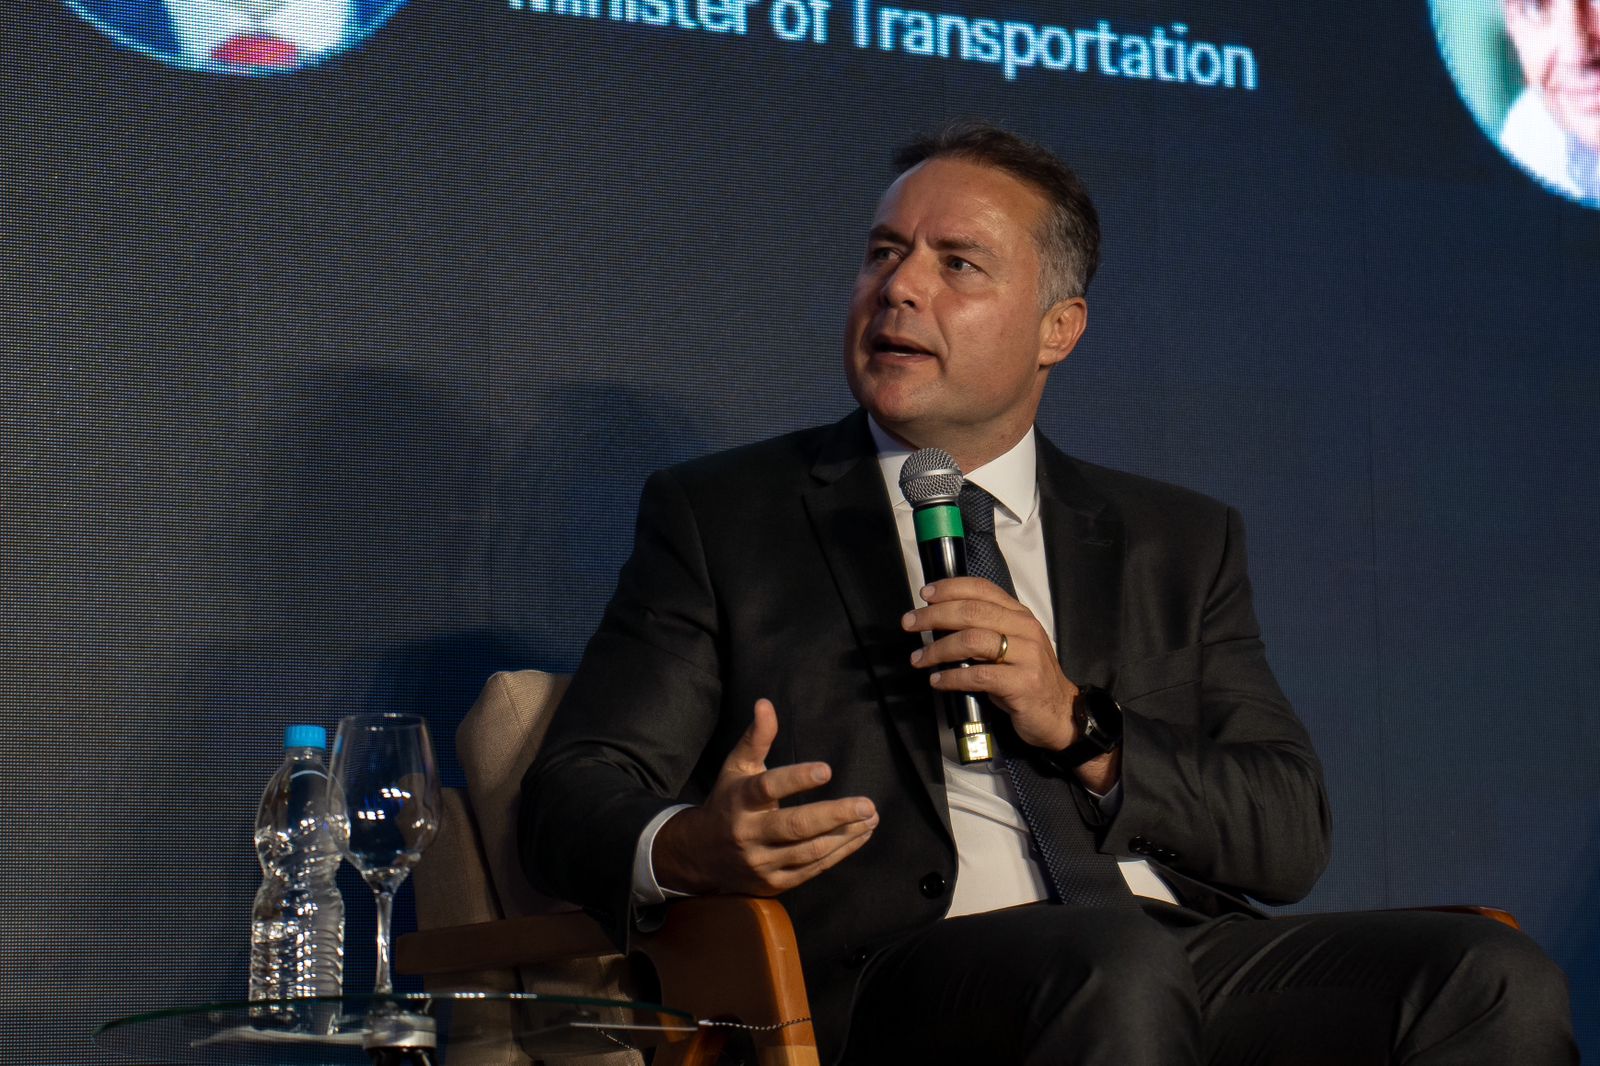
[(1220, 782), (632, 727)]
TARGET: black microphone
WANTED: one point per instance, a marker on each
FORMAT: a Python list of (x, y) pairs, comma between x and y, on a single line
[(931, 482)]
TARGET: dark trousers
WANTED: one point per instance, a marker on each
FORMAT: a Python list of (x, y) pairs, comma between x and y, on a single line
[(1163, 986)]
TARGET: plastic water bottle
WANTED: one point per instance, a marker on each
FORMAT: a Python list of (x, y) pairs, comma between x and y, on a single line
[(297, 939)]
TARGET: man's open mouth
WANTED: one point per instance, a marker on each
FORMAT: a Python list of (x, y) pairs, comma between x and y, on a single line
[(885, 344)]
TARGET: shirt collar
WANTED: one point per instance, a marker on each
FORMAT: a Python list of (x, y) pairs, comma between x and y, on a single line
[(1012, 479)]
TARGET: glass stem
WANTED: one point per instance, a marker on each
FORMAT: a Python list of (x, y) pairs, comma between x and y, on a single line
[(385, 985)]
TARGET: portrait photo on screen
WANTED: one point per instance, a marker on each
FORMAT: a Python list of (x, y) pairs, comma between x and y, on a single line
[(250, 37), (1529, 71)]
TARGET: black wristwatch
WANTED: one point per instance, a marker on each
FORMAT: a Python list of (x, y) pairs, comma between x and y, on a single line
[(1099, 720)]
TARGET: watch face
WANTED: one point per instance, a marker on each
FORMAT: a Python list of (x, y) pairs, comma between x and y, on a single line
[(1099, 718)]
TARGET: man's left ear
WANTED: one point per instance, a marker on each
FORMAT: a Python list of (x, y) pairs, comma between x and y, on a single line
[(1061, 328)]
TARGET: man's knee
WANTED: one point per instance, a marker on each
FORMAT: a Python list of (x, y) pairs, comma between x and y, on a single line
[(1508, 966), (1499, 994)]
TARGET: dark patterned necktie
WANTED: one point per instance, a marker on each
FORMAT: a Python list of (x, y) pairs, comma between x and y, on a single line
[(1077, 873)]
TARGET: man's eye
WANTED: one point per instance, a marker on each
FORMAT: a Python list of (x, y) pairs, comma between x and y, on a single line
[(879, 254), (960, 265)]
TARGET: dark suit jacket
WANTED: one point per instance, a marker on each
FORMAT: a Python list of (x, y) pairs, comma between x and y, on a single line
[(775, 570)]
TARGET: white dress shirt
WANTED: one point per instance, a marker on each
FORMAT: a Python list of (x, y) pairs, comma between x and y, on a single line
[(315, 27), (996, 864), (1532, 136)]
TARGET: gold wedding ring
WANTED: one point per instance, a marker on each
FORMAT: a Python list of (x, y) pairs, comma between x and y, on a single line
[(1005, 646)]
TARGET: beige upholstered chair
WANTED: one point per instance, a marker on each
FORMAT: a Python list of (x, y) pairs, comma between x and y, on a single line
[(483, 926)]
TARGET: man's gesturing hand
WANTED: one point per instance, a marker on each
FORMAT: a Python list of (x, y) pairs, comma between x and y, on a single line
[(740, 840)]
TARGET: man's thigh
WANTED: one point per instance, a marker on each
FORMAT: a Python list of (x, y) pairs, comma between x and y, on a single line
[(1385, 986), (1046, 984), (1036, 984)]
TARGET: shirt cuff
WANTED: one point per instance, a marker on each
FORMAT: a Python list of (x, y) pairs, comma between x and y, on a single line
[(1110, 802), (646, 891)]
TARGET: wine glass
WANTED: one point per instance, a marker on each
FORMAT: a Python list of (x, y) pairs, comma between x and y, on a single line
[(383, 807)]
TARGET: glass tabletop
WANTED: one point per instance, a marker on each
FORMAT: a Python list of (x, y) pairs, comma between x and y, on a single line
[(421, 1028)]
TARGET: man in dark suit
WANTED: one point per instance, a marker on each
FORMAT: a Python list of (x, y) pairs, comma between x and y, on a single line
[(757, 712)]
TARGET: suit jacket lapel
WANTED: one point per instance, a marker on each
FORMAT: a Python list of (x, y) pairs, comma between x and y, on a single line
[(853, 521), (1084, 552)]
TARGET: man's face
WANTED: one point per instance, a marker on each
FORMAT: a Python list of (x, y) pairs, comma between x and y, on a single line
[(946, 343), (1558, 42)]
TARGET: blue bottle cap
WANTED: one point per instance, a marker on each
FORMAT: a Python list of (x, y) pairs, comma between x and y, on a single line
[(306, 736)]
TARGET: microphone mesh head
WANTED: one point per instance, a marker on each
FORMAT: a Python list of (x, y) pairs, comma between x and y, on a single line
[(930, 475)]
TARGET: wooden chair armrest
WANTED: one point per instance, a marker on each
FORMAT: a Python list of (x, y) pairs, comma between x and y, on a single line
[(734, 958), (730, 957), (1503, 917)]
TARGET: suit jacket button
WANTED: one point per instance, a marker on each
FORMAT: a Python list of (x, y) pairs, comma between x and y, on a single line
[(1141, 846), (858, 959), (932, 885)]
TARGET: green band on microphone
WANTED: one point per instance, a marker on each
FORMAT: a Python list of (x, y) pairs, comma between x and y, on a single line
[(935, 522)]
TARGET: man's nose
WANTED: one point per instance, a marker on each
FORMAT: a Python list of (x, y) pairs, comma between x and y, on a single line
[(907, 284)]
